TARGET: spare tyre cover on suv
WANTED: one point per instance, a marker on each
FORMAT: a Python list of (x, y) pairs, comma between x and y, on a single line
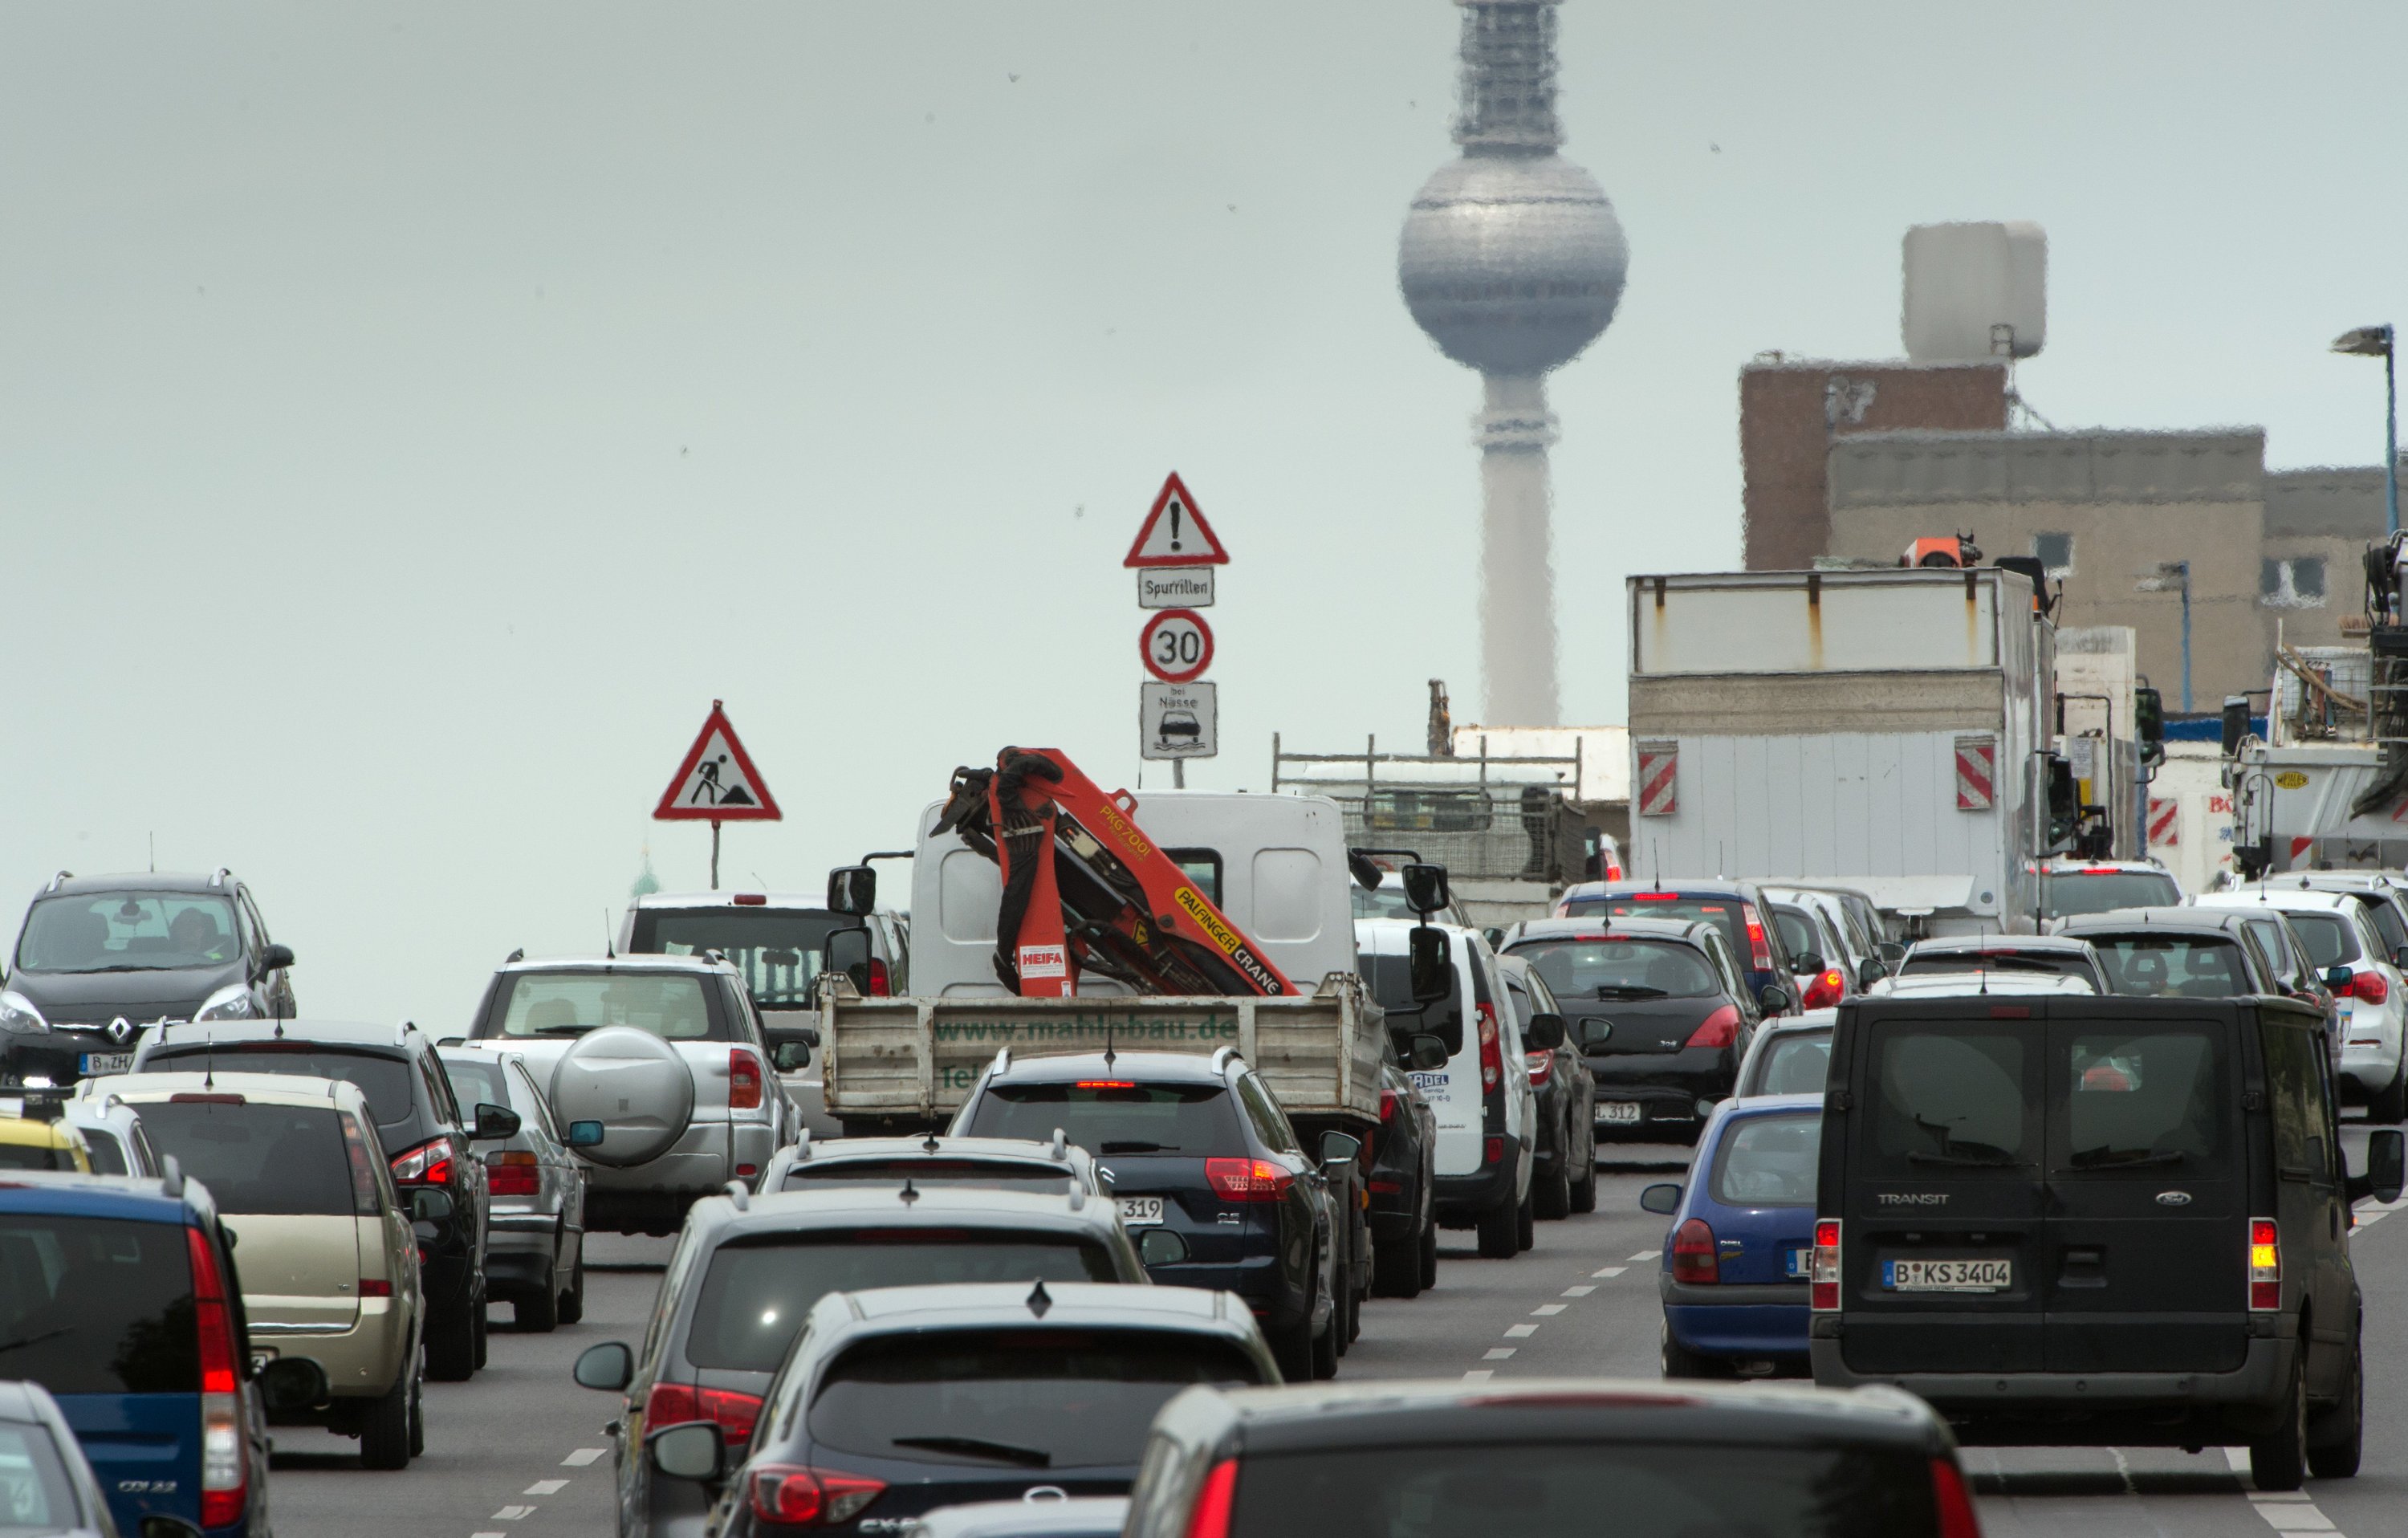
[(631, 1082)]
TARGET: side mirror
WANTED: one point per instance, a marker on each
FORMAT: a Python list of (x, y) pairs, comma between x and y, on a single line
[(1430, 969), (1544, 1032), (494, 1122), (1663, 1198), (1424, 888), (291, 1383), (847, 951), (1495, 935), (429, 1205), (1806, 963), (1340, 1147), (585, 1134), (852, 890), (1425, 1053), (2338, 979), (2385, 1150), (1706, 1104), (1161, 1247), (1871, 972), (274, 958), (1890, 951), (1595, 1031), (789, 1047), (610, 1367), (1774, 1000), (696, 1451), (2399, 958)]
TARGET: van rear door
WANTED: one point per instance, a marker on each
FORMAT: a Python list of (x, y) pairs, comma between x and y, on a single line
[(1945, 1242)]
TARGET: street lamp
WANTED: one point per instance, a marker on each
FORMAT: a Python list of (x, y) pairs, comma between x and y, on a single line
[(2375, 341), (2171, 577)]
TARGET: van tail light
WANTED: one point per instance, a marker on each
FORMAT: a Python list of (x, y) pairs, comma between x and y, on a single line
[(1542, 1065), (1824, 1274), (1693, 1252), (2265, 1266), (743, 1080), (1492, 1056), (789, 1495), (1760, 952), (1720, 1029), (1493, 1149), (1247, 1179), (879, 986), (2368, 987), (1953, 1502), (511, 1172), (428, 1164), (223, 1469), (676, 1404), (1215, 1502)]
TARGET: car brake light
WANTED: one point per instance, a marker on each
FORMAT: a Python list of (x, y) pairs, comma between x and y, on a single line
[(1953, 1502), (1720, 1029), (676, 1404), (743, 1080), (2098, 870), (511, 1172), (2265, 1266), (1540, 1065), (879, 986), (1388, 1102), (1105, 1083), (1760, 952), (1247, 1179), (1824, 1278), (750, 899), (2370, 986), (787, 1495), (224, 1496), (428, 1164), (1693, 1252), (1492, 1056), (1655, 896), (1215, 1502)]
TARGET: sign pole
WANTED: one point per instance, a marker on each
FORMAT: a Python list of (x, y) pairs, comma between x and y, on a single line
[(714, 854), (1179, 774)]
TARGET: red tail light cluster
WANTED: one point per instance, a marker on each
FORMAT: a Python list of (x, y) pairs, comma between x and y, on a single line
[(1389, 1101), (1247, 1179), (1693, 1252), (1493, 1150), (787, 1495), (2369, 985), (1951, 1501), (743, 1080), (1542, 1065), (1492, 1056), (1759, 950), (676, 1404), (2265, 1266), (224, 1469), (512, 1172), (428, 1164), (1824, 1274), (1826, 990), (879, 986), (1215, 1502), (1719, 1029)]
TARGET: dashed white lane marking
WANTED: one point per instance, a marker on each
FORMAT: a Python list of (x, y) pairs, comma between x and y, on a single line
[(1647, 1255), (489, 1535), (1610, 1270), (2285, 1511), (546, 1487), (1498, 1354), (583, 1456), (1578, 1292), (1520, 1332), (1478, 1374), (1548, 1311), (511, 1514)]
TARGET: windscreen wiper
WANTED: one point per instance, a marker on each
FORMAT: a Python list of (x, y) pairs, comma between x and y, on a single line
[(2123, 1158), (1630, 990), (1027, 1458)]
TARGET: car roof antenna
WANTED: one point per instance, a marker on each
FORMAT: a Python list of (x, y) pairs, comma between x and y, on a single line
[(209, 1061), (930, 1145), (610, 941), (909, 1194)]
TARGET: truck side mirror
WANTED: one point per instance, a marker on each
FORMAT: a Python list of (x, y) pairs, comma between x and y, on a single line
[(2385, 1151), (1544, 1032), (852, 890), (1424, 888), (847, 951), (1428, 969), (1425, 1053)]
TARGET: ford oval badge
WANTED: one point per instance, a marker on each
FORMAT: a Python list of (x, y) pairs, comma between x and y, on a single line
[(2173, 1198)]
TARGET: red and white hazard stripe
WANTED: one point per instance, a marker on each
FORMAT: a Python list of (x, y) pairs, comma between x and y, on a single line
[(1659, 779), (1977, 767), (2165, 825)]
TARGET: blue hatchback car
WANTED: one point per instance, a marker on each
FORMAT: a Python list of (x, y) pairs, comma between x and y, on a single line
[(1734, 1281), (118, 1295)]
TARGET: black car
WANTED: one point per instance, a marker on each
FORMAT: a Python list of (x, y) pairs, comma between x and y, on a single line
[(2122, 1221), (1736, 908), (1660, 1010), (1548, 1456), (1197, 1149), (427, 1139), (101, 957), (1403, 1188), (1563, 1169)]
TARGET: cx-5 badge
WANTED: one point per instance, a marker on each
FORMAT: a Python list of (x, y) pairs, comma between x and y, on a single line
[(2173, 1198)]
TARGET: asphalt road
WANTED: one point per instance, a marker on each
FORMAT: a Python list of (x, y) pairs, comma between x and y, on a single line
[(518, 1452)]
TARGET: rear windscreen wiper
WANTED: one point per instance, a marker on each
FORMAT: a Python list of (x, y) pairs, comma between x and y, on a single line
[(1032, 1458), (1975, 1161), (1630, 990), (20, 1344), (1133, 1148), (564, 1030), (2122, 1159)]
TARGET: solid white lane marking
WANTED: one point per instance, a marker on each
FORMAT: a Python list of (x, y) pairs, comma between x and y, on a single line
[(583, 1456), (546, 1487), (1647, 1255), (511, 1514), (1498, 1354), (489, 1535), (1478, 1374), (1548, 1310), (1521, 1332), (1610, 1270), (1578, 1292)]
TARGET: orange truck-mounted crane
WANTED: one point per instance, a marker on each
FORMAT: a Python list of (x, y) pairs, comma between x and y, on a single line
[(1085, 890)]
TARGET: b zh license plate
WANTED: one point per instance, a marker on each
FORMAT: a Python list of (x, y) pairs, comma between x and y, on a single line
[(1618, 1111), (94, 1064), (1137, 1210), (1948, 1275)]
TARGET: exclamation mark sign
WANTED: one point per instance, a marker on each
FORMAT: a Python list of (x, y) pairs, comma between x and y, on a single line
[(1174, 522)]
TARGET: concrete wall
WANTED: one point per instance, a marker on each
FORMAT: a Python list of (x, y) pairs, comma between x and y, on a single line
[(2327, 516)]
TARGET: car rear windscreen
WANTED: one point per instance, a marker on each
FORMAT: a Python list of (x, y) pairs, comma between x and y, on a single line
[(2171, 966), (560, 1004), (2064, 894), (1722, 913), (1114, 1116), (756, 1292), (1768, 1161), (777, 949), (26, 1155), (1560, 1487), (1797, 1064), (978, 1175), (1391, 982), (97, 1305), (1620, 967), (255, 1157), (2035, 963), (385, 1080), (2330, 939), (1018, 1399)]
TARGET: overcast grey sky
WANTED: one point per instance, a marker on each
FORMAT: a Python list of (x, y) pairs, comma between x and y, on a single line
[(411, 417)]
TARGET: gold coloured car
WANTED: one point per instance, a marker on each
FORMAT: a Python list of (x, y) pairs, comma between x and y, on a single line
[(30, 1141)]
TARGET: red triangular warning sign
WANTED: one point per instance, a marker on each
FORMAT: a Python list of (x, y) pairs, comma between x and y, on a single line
[(1175, 532), (717, 783)]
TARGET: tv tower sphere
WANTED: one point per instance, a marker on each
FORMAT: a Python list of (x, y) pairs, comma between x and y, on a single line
[(1512, 262)]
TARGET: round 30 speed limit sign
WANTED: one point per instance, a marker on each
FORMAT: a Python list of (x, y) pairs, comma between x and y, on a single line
[(1177, 645)]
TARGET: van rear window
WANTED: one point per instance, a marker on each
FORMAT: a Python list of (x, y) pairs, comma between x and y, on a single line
[(2143, 1100), (97, 1305), (1950, 1099)]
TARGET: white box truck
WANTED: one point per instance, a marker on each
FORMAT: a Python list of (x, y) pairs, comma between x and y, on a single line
[(1885, 730)]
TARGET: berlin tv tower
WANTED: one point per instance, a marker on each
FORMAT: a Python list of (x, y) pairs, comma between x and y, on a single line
[(1513, 261)]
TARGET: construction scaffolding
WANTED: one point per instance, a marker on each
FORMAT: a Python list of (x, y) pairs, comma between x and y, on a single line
[(1485, 818)]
